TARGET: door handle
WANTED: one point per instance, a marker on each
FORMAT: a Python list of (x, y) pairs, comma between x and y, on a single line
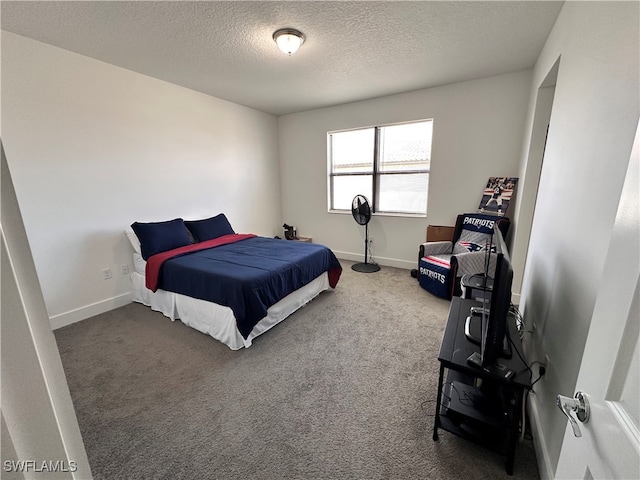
[(578, 404)]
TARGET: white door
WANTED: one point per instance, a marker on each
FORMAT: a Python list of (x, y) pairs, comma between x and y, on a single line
[(610, 444)]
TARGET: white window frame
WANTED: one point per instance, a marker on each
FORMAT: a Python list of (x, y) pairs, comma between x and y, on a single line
[(376, 173)]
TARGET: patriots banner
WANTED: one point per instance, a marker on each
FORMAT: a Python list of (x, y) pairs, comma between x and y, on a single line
[(434, 274), (479, 223)]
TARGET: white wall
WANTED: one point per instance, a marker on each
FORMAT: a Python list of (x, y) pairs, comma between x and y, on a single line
[(477, 133), (93, 148), (38, 419), (595, 112)]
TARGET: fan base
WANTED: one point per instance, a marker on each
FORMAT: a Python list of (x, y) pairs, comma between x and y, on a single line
[(365, 267)]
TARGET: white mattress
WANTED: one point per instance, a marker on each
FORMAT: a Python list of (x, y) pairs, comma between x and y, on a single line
[(217, 320)]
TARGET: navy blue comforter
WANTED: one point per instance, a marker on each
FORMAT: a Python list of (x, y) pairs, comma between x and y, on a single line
[(249, 276)]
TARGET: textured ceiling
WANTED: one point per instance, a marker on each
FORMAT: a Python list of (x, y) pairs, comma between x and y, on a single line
[(353, 50)]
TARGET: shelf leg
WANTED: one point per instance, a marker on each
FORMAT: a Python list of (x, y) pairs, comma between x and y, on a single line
[(511, 449), (436, 417)]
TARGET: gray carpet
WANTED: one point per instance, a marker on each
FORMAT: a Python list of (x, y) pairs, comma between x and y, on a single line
[(343, 389)]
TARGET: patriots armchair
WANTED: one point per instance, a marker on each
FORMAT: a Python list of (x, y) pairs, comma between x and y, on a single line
[(441, 264)]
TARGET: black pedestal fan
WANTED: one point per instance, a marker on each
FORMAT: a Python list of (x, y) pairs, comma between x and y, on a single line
[(361, 212)]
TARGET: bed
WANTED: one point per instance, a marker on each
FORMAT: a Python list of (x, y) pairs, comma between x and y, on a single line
[(233, 287)]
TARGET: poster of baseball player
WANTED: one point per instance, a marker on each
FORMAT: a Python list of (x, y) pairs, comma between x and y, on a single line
[(497, 195)]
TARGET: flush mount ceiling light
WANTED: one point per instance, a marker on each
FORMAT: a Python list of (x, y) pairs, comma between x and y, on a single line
[(288, 40)]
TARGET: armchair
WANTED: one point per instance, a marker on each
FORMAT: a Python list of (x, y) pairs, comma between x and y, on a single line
[(441, 264)]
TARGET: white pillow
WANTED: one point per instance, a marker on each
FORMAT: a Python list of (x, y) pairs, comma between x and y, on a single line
[(139, 264), (133, 239)]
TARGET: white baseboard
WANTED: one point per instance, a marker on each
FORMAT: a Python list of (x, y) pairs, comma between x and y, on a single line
[(515, 298), (82, 313), (545, 469), (383, 261)]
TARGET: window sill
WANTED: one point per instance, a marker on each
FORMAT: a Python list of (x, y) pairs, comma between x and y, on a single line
[(384, 214)]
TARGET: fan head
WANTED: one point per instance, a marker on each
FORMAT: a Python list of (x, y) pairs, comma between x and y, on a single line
[(360, 209)]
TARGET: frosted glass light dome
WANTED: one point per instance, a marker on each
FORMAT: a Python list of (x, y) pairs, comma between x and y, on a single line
[(288, 40)]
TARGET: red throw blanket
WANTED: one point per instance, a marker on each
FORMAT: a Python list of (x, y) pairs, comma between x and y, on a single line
[(155, 262)]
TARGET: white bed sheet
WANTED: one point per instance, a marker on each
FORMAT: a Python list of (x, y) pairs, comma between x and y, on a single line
[(217, 320)]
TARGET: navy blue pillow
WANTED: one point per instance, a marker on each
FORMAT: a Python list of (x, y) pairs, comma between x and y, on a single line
[(209, 228), (156, 237)]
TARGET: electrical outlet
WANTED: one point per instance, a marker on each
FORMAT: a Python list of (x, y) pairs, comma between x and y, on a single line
[(125, 269), (106, 273)]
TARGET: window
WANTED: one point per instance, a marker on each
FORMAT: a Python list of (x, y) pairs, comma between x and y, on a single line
[(388, 164)]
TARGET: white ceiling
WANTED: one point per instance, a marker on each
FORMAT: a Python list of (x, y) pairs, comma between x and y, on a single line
[(353, 50)]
